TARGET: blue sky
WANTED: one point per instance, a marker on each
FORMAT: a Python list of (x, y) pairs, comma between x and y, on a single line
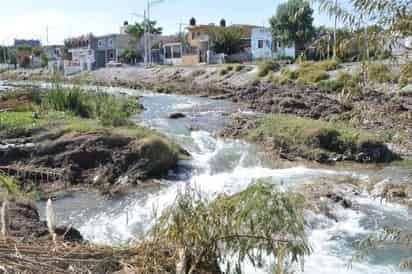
[(29, 19)]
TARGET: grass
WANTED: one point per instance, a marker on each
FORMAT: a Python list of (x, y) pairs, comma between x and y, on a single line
[(16, 120), (264, 67), (406, 74), (297, 132), (403, 164), (108, 109), (381, 73), (239, 67)]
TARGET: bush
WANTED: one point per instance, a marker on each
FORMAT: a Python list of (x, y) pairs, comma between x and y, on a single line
[(311, 75), (343, 76), (380, 73), (332, 85), (229, 67), (406, 74), (110, 110), (328, 65), (264, 67), (223, 72), (44, 59), (289, 74), (257, 222), (239, 67)]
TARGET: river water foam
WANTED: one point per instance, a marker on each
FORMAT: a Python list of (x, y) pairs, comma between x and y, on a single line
[(228, 166)]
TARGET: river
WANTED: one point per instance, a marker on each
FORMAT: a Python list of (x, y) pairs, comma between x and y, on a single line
[(228, 166)]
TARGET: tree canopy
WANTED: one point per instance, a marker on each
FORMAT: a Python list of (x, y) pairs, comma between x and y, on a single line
[(226, 40), (137, 30), (293, 23), (255, 224)]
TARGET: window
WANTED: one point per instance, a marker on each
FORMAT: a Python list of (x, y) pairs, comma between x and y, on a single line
[(100, 44), (261, 44), (168, 52), (176, 52), (110, 42)]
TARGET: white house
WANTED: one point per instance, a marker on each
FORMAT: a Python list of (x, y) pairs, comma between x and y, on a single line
[(263, 46)]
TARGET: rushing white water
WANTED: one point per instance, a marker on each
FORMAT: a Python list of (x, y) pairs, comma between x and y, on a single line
[(228, 166)]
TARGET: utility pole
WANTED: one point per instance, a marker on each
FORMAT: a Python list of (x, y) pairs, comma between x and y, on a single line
[(150, 3), (47, 35)]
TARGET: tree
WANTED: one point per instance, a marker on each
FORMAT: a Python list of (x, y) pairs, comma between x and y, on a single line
[(129, 55), (226, 40), (255, 224), (44, 59), (138, 29), (293, 23)]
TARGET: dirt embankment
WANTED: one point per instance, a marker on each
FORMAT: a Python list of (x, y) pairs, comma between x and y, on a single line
[(55, 161)]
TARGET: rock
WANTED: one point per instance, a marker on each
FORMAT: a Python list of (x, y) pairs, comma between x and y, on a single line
[(69, 234), (374, 152), (176, 115)]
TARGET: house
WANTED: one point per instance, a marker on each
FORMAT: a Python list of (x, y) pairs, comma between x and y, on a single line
[(261, 44), (81, 53), (172, 53), (109, 48), (264, 46), (200, 36)]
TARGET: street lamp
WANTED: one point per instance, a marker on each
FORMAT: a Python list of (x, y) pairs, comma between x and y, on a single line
[(150, 3)]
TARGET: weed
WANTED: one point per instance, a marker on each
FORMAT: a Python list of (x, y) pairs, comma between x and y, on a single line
[(264, 67)]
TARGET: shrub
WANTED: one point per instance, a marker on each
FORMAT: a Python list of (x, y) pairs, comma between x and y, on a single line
[(250, 225), (328, 65), (239, 67), (223, 72), (380, 73), (332, 85), (289, 74), (110, 110), (344, 76), (229, 67), (311, 75), (406, 74), (264, 67)]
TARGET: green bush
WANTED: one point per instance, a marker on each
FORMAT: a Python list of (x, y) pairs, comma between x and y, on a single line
[(311, 75), (343, 76), (332, 85), (229, 67), (289, 74), (406, 74), (264, 67), (381, 73), (110, 110), (239, 67), (223, 72)]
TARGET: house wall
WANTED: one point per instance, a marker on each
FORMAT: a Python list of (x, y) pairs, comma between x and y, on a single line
[(261, 44), (189, 60)]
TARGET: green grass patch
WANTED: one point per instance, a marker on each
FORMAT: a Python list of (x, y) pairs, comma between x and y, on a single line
[(267, 66), (18, 120), (403, 164), (297, 132), (239, 67), (381, 73), (406, 74)]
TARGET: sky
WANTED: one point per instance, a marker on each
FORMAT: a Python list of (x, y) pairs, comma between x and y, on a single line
[(30, 19)]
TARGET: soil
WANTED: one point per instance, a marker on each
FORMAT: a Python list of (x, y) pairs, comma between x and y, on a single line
[(104, 161)]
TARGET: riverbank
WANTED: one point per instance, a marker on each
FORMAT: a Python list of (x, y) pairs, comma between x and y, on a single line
[(382, 109), (56, 141)]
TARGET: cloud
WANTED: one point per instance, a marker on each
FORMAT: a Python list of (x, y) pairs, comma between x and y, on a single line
[(61, 25)]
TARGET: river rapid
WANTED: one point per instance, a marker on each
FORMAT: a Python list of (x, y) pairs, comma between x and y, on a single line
[(228, 166)]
